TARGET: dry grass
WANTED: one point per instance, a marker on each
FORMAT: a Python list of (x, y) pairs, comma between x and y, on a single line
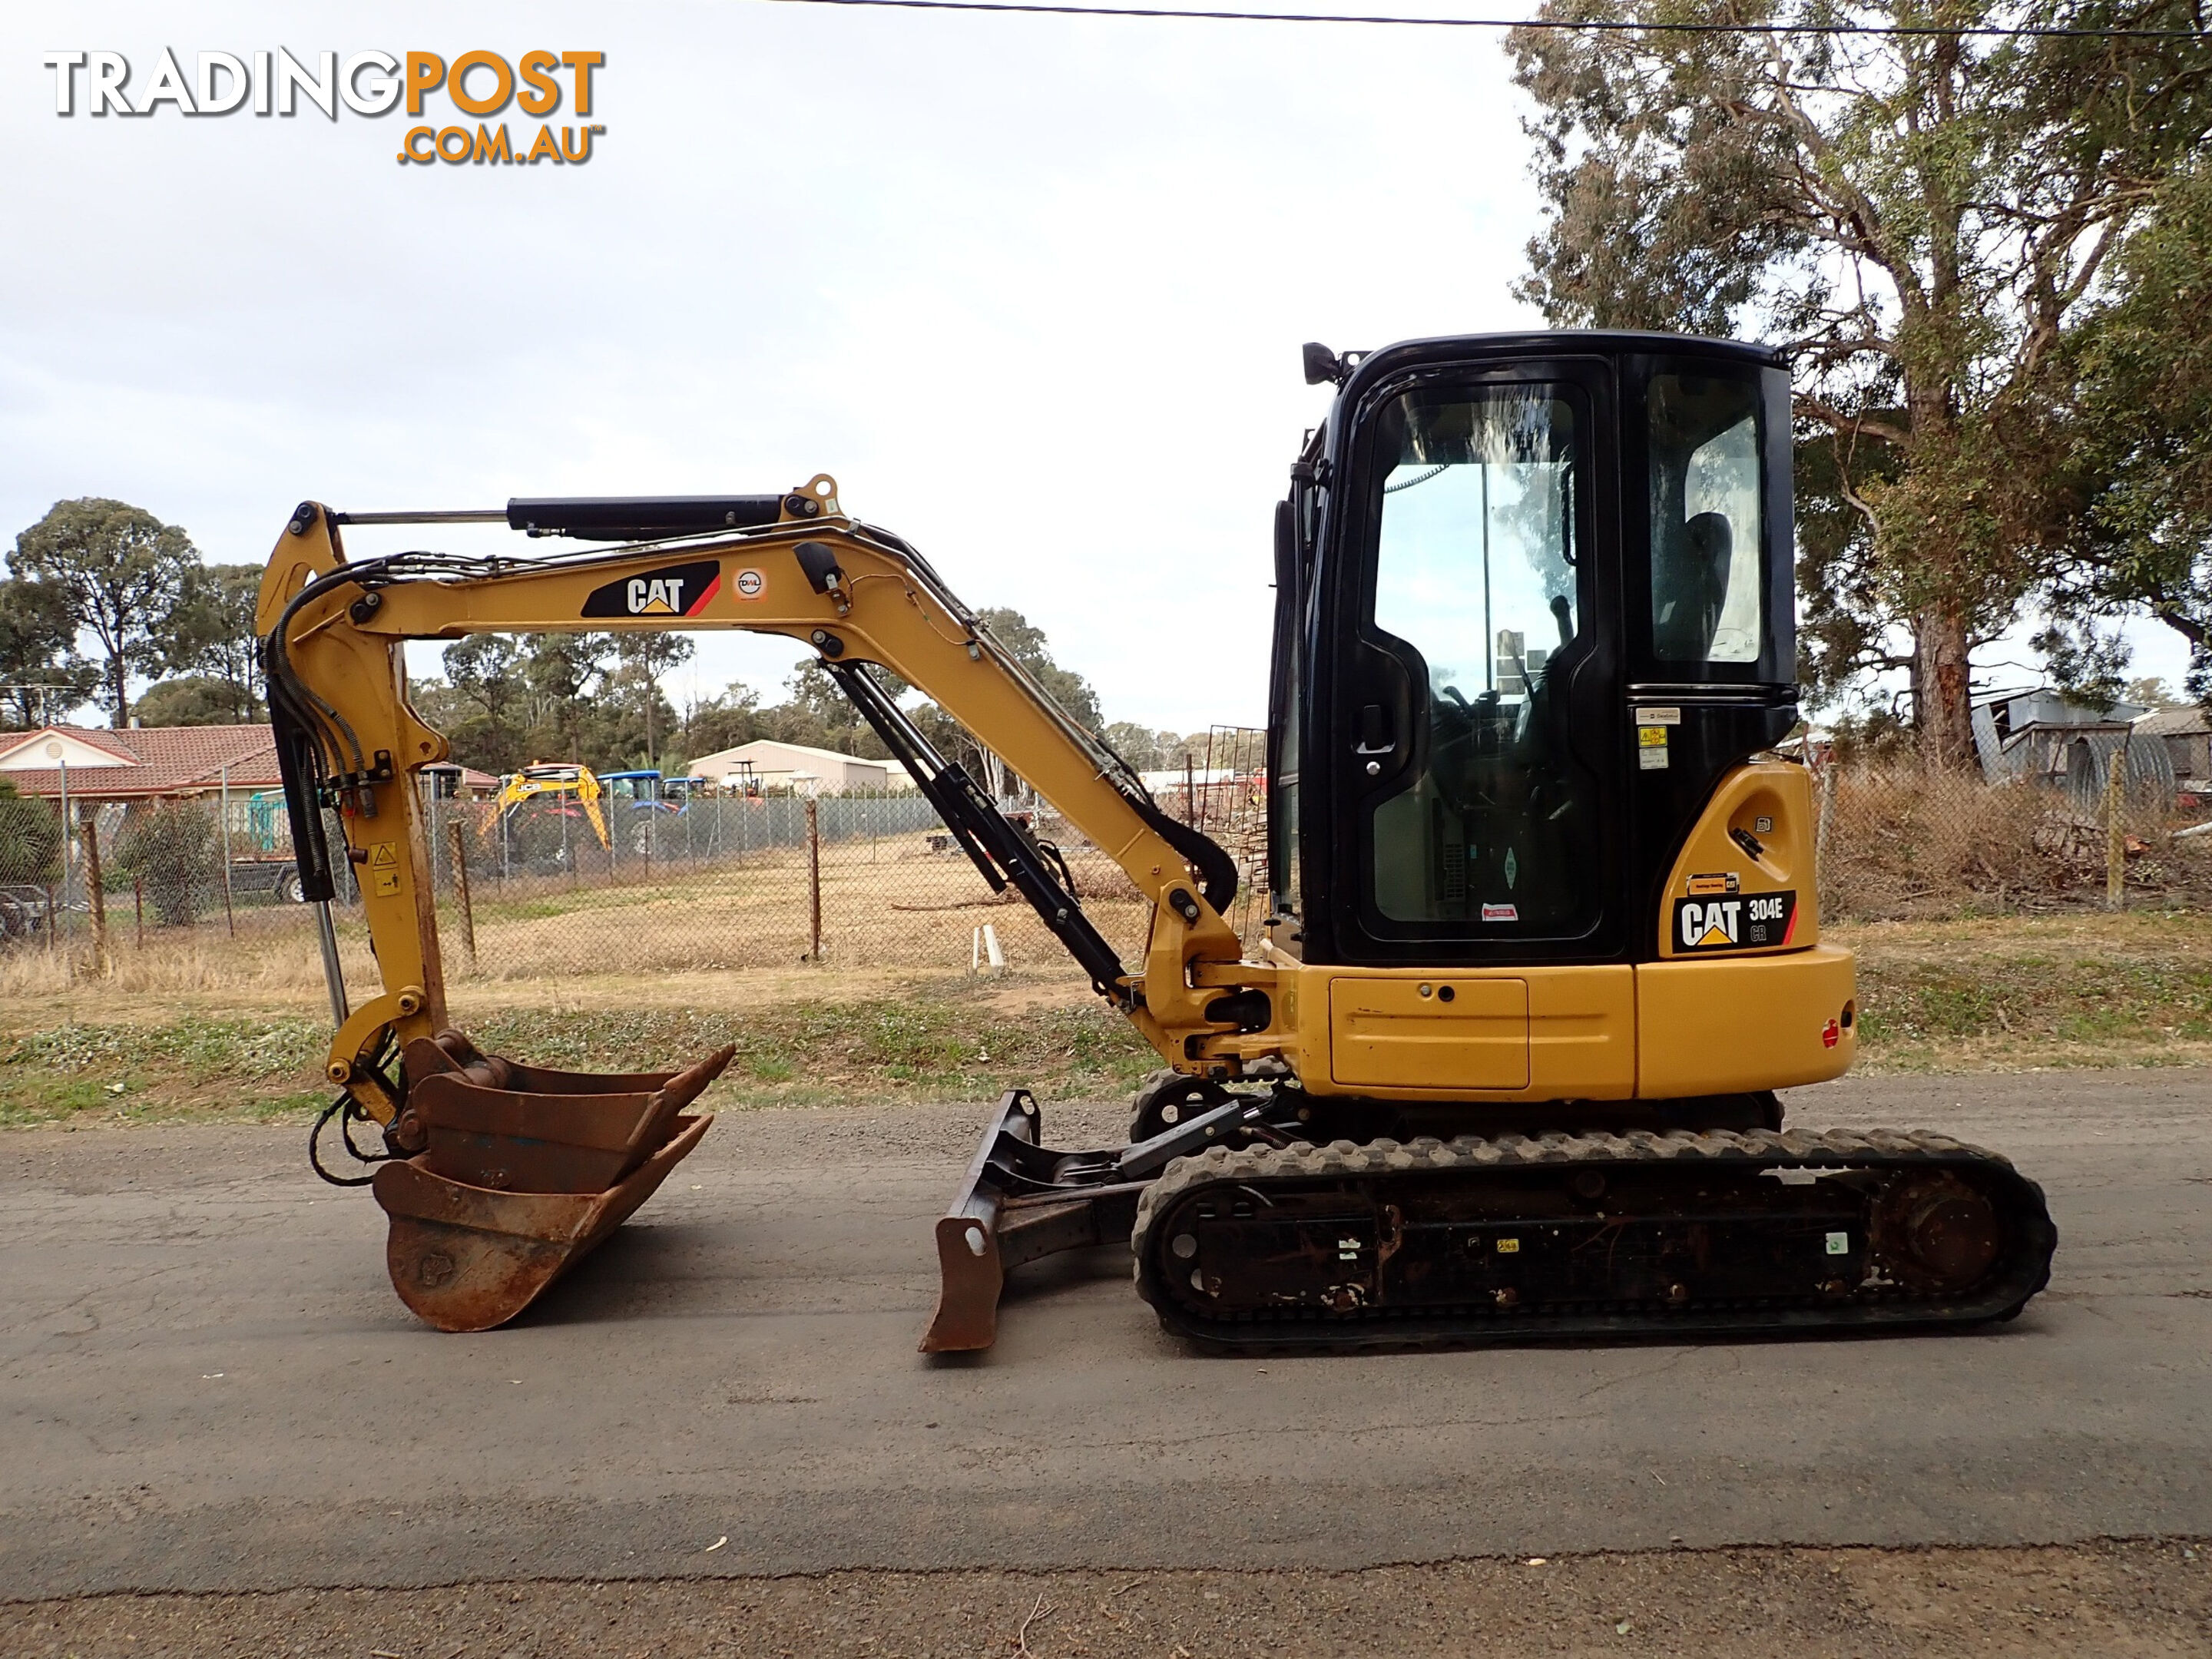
[(898, 904), (200, 1024), (2136, 1598), (1907, 843)]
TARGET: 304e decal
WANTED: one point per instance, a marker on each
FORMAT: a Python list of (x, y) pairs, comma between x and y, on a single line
[(674, 590), (1747, 922)]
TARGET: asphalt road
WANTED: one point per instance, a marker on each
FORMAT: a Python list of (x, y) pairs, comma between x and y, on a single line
[(206, 1384)]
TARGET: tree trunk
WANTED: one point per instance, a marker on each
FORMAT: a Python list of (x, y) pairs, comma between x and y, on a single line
[(1942, 685), (1946, 710)]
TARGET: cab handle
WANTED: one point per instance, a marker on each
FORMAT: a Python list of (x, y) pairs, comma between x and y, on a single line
[(1375, 734)]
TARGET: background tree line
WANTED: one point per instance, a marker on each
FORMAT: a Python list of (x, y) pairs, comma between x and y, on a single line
[(1991, 255), (113, 578), (506, 700)]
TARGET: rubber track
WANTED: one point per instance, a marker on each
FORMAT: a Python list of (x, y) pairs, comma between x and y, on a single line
[(2006, 1289)]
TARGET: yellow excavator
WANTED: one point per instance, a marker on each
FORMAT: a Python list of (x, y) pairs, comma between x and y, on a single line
[(560, 780), (1541, 945)]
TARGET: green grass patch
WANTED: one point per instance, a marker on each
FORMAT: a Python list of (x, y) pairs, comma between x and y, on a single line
[(2083, 999), (933, 1047), (243, 1068), (2120, 991), (937, 1046)]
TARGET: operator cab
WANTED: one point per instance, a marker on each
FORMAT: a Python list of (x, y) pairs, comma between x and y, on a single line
[(640, 790), (1535, 596)]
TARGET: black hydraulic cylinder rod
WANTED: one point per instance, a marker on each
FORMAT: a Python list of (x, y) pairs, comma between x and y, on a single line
[(639, 518), (1000, 849)]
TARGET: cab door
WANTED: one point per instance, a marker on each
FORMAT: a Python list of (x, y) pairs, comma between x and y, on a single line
[(1468, 728)]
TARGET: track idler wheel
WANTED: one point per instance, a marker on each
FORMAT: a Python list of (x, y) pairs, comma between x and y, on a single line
[(1166, 1098), (1936, 1233), (522, 1171)]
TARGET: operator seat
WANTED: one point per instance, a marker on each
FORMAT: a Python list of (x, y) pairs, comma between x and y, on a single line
[(1693, 589)]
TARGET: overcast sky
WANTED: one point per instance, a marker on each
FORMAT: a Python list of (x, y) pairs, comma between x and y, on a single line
[(1031, 288)]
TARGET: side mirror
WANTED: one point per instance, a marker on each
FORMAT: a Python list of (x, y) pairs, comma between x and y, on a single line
[(1321, 365)]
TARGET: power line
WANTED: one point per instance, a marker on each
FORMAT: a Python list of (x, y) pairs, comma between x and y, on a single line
[(1594, 26)]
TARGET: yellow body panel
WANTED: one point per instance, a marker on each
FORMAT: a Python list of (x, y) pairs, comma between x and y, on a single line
[(1510, 1034), (1766, 1022), (1658, 1030), (1403, 1032), (1706, 1022), (1716, 870)]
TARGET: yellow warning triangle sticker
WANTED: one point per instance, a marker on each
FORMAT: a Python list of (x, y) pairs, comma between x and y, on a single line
[(384, 853)]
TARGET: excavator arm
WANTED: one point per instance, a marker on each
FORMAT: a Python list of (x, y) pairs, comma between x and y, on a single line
[(350, 743), (858, 596)]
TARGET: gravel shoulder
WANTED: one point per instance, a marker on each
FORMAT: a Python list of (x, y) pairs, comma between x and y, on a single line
[(2112, 1598)]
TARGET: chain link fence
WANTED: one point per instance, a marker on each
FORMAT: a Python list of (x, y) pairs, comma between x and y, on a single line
[(1901, 841), (203, 893)]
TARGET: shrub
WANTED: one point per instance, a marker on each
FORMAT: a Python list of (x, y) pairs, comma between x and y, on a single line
[(30, 839), (175, 850)]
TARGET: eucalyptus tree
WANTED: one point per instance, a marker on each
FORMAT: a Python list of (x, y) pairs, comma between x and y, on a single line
[(1922, 217)]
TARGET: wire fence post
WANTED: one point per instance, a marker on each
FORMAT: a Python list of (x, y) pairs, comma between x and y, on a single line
[(102, 963), (57, 940), (229, 914), (461, 890), (139, 892), (2116, 829), (1823, 829), (814, 879)]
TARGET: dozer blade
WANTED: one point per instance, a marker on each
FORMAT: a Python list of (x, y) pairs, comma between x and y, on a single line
[(525, 1170), (1018, 1202)]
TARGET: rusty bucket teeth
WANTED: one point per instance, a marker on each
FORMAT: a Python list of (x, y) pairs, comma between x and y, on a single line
[(523, 1171)]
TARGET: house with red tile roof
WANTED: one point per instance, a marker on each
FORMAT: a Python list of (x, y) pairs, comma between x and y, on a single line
[(139, 763)]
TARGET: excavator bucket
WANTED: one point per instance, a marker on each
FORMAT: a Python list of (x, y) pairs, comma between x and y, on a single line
[(525, 1170)]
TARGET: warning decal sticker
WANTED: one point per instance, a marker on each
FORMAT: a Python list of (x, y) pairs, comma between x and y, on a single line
[(384, 868), (1749, 923)]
